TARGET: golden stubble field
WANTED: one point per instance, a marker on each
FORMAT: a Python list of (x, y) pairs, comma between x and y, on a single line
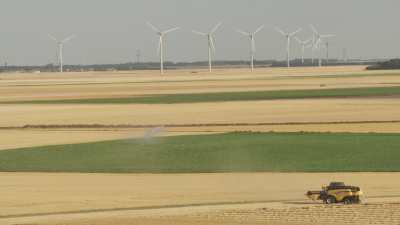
[(20, 87), (245, 198), (21, 138), (335, 115), (275, 111)]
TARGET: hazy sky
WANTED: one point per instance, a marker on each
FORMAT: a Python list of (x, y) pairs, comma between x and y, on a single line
[(110, 31)]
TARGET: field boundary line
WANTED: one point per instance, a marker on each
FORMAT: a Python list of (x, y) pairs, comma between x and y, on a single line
[(77, 126)]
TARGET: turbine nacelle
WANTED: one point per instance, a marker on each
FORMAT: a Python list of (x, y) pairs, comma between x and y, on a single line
[(60, 44), (211, 42), (287, 36), (63, 41), (251, 36), (303, 43), (318, 36), (161, 34)]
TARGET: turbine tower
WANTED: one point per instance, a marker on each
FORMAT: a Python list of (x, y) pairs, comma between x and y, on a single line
[(60, 44), (318, 38), (327, 52), (161, 43), (252, 36), (288, 36), (304, 45), (211, 43)]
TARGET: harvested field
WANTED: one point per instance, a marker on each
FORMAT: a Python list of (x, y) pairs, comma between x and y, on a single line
[(23, 138), (120, 85), (371, 92), (258, 115), (118, 198), (279, 111)]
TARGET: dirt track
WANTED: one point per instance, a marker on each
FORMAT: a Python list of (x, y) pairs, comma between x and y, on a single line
[(122, 198)]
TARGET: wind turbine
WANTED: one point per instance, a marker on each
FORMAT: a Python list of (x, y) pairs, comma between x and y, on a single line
[(318, 38), (60, 44), (304, 45), (161, 43), (288, 36), (211, 43), (251, 36)]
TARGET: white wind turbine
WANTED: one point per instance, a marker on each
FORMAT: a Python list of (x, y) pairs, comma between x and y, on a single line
[(288, 36), (318, 38), (304, 46), (211, 43), (251, 36), (60, 44), (161, 43)]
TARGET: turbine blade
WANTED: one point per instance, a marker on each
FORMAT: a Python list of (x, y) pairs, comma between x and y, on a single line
[(328, 35), (298, 40), (212, 43), (154, 28), (297, 31), (318, 43), (69, 38), (216, 28), (243, 32), (199, 33), (314, 29), (259, 29), (280, 31), (53, 38), (171, 30)]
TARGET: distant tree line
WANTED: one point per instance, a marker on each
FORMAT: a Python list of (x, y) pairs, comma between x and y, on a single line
[(173, 65), (388, 65)]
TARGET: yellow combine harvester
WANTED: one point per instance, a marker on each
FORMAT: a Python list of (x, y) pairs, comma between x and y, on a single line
[(337, 192)]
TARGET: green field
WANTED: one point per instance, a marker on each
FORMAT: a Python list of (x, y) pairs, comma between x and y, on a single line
[(230, 96), (233, 152)]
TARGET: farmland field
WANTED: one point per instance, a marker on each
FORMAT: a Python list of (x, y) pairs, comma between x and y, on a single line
[(232, 152), (332, 119), (240, 198), (231, 96)]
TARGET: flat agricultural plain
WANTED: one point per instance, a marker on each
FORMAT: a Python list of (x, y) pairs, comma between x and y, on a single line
[(97, 123), (335, 98)]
